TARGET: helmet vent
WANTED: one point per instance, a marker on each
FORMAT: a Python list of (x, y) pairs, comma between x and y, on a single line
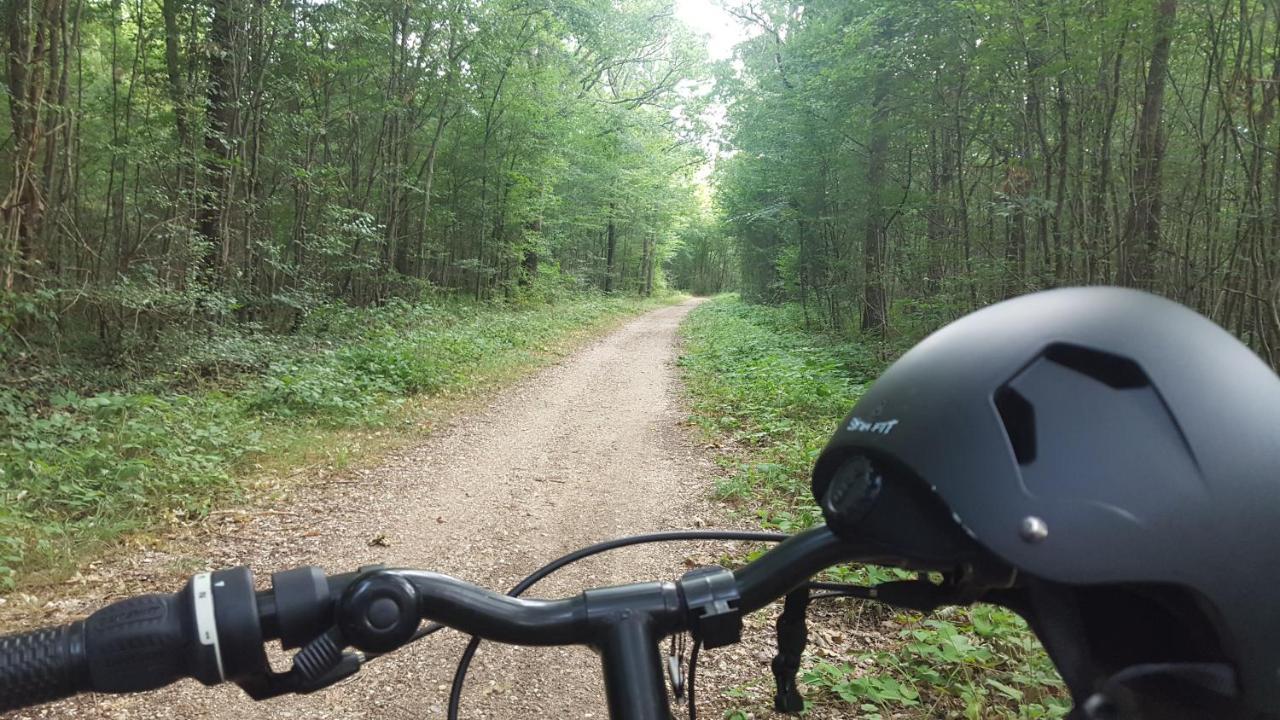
[(1019, 420), (1112, 370)]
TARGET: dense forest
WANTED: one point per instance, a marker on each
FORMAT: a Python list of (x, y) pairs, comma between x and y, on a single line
[(245, 244), (187, 163), (896, 164), (888, 166)]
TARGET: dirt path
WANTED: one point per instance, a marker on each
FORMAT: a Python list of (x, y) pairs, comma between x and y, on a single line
[(588, 449)]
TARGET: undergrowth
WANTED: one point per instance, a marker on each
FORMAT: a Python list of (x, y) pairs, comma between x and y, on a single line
[(85, 457), (775, 393)]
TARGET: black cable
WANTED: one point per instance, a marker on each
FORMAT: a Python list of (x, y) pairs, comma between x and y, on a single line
[(841, 590), (464, 663), (831, 595), (693, 676), (837, 587)]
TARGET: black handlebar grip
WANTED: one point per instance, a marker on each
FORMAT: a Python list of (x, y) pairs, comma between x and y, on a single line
[(141, 643), (40, 666)]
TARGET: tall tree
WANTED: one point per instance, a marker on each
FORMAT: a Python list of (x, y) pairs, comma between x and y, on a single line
[(1142, 236), (875, 310), (34, 49)]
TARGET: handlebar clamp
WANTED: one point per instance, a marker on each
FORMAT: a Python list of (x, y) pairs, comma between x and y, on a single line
[(711, 596)]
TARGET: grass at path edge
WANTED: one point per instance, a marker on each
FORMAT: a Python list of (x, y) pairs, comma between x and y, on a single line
[(79, 474)]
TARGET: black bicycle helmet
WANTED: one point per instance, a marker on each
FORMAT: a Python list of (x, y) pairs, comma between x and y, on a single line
[(1121, 454)]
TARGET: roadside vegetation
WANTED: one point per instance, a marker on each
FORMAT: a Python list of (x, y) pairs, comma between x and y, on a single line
[(93, 449), (230, 231), (772, 393)]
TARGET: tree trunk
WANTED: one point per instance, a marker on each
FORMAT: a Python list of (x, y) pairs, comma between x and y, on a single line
[(1097, 236), (32, 35), (875, 314), (647, 264), (1142, 236), (217, 138), (1061, 249), (174, 71), (611, 239), (529, 261)]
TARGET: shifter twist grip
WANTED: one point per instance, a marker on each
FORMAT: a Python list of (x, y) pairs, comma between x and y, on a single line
[(141, 643)]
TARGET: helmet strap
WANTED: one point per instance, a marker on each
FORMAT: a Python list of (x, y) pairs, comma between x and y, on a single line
[(1168, 691), (1150, 691), (1055, 617)]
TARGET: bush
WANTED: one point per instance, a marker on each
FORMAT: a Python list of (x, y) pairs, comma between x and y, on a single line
[(775, 390)]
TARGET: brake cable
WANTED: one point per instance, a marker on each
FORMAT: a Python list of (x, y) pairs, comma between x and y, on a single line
[(833, 590), (464, 663), (841, 590), (691, 681)]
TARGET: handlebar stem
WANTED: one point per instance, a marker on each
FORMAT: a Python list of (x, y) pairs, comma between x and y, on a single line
[(633, 683), (627, 622)]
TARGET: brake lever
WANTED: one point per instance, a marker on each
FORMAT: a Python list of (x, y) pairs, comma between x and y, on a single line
[(270, 684), (318, 665), (348, 665)]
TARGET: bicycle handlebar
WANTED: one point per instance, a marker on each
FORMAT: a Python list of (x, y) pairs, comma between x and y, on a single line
[(214, 629)]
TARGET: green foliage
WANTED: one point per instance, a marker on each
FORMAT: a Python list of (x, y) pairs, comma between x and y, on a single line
[(947, 155), (355, 152), (705, 260), (777, 392), (974, 663), (74, 470), (79, 469)]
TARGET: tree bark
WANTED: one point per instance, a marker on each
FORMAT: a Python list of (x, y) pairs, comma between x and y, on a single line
[(647, 264), (32, 36), (611, 240), (1142, 236), (217, 139), (173, 69), (875, 314), (1100, 190), (529, 260)]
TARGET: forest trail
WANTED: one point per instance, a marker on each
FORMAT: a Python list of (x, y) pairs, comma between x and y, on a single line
[(588, 449)]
